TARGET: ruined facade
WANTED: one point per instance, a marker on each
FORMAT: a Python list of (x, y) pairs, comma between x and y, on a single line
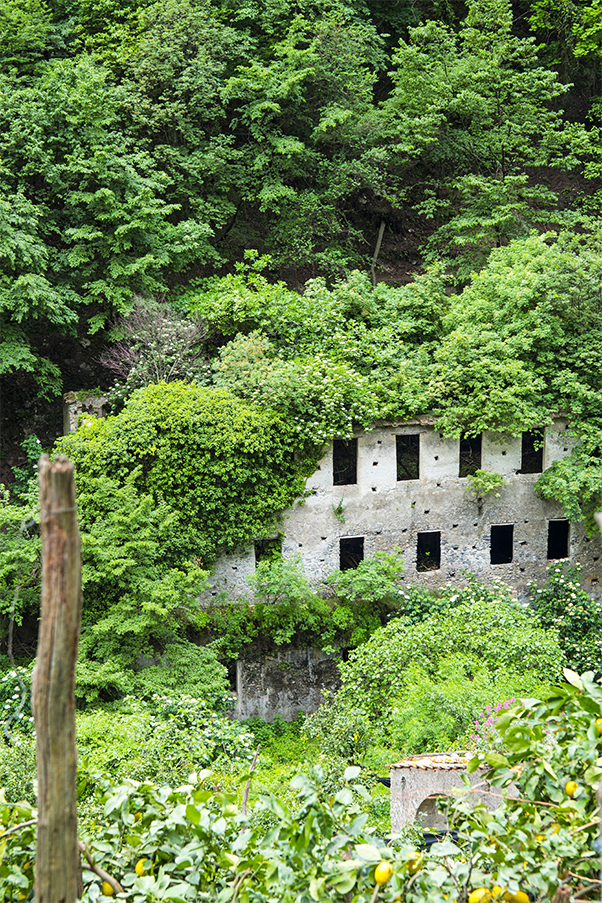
[(405, 485), (419, 783)]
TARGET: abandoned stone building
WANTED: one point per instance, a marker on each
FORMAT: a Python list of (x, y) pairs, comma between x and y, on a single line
[(406, 485)]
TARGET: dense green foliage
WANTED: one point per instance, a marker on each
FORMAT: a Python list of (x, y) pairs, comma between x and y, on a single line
[(224, 469), (433, 678), (194, 840), (564, 606), (145, 146), (488, 631)]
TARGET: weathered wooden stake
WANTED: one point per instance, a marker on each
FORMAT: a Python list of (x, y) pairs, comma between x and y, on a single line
[(58, 861)]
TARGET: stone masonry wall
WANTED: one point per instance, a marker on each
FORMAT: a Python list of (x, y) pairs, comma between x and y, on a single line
[(389, 513), (283, 684)]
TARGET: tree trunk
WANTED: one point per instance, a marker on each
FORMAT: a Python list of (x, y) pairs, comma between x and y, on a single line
[(58, 862)]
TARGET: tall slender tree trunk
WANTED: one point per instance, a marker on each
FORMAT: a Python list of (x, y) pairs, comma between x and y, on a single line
[(58, 862)]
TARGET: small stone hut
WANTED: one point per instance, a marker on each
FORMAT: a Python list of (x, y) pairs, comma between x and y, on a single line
[(419, 782)]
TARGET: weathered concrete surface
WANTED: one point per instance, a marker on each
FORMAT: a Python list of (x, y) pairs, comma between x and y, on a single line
[(389, 513), (229, 576), (284, 684), (419, 782), (76, 404)]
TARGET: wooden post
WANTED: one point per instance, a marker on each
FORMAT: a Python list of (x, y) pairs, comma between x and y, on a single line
[(58, 861)]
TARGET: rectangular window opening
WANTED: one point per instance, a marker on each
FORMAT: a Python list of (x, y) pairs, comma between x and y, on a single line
[(268, 549), (351, 552), (408, 456), (532, 452), (233, 677), (502, 542), (428, 552), (470, 455), (558, 539), (344, 462)]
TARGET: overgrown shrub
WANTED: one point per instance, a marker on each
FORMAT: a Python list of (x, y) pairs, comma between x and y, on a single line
[(438, 713), (375, 579), (225, 468), (20, 565), (155, 344), (160, 740), (341, 731), (489, 629), (286, 609), (564, 606)]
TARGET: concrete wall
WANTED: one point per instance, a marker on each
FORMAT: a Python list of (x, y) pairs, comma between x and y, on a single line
[(389, 514), (76, 404), (284, 684)]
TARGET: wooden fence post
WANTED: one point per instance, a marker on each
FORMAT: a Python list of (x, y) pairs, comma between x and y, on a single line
[(58, 861)]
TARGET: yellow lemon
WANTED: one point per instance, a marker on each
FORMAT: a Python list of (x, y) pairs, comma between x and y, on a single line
[(539, 837), (480, 895), (137, 816), (496, 890), (414, 862), (555, 829), (140, 867), (598, 723), (383, 872), (107, 889), (520, 897), (571, 788)]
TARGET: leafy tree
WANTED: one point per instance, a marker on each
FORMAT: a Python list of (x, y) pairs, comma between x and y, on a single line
[(574, 481), (301, 110), (514, 351), (563, 605), (20, 565), (174, 71), (86, 220), (140, 596), (24, 32), (471, 112)]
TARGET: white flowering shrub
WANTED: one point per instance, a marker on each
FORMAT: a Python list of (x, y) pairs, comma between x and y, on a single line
[(15, 702), (563, 605)]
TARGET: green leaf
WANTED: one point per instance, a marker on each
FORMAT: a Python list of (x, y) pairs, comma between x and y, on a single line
[(496, 760), (573, 678), (192, 814), (473, 764), (368, 852)]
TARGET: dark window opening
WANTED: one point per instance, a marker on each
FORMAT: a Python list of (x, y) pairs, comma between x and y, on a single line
[(558, 539), (268, 549), (428, 554), (351, 552), (344, 462), (408, 456), (532, 452), (470, 455), (233, 677), (502, 540)]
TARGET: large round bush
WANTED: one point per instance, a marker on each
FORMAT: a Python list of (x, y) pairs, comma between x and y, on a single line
[(226, 467)]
